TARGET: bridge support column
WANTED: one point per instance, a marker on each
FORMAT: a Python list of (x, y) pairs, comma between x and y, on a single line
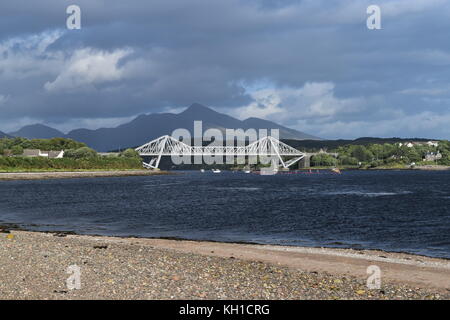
[(158, 158), (305, 162)]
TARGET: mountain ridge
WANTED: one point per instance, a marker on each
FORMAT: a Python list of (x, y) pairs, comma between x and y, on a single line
[(147, 127), (37, 131), (4, 135)]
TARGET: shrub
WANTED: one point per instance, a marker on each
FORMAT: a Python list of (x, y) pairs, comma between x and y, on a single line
[(323, 160), (17, 150), (40, 163), (129, 153), (81, 153)]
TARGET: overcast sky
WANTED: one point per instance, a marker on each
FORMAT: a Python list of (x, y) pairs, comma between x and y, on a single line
[(309, 64)]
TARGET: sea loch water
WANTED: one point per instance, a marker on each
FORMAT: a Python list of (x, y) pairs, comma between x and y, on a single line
[(405, 211)]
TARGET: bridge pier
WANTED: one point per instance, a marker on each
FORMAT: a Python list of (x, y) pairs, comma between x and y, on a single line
[(305, 162)]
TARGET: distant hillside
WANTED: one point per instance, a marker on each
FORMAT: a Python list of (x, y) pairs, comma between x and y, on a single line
[(285, 133), (37, 131), (4, 135), (332, 144), (148, 127)]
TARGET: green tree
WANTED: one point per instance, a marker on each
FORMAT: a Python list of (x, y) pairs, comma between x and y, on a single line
[(376, 150), (362, 154), (81, 153), (323, 160), (129, 153), (17, 150), (413, 155), (347, 160)]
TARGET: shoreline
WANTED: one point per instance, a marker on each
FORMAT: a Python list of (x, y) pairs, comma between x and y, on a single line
[(34, 264), (43, 175), (7, 227)]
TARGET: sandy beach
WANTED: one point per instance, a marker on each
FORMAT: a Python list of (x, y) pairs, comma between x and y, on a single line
[(34, 265), (76, 174)]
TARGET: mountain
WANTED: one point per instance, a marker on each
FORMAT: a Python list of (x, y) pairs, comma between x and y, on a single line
[(210, 118), (315, 145), (37, 131), (285, 133), (213, 119), (145, 128), (4, 135)]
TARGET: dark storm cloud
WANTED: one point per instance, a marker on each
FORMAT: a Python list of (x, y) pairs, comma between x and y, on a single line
[(310, 64)]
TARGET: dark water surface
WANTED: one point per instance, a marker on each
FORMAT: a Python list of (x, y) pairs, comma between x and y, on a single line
[(405, 211)]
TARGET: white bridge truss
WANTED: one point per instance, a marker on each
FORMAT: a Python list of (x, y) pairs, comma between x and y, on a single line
[(264, 147)]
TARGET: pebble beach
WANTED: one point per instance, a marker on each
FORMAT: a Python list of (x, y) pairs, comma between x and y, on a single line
[(35, 265)]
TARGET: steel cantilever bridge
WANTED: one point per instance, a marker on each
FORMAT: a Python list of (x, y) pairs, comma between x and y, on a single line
[(266, 147)]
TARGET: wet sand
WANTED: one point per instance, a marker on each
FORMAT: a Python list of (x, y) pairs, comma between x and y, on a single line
[(34, 265)]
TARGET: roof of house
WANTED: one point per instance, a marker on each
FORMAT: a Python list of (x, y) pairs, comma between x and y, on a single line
[(53, 154), (31, 152), (37, 153)]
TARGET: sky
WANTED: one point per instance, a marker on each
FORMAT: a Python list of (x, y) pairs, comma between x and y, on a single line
[(312, 65)]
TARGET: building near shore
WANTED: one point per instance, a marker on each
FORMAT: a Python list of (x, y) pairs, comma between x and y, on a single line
[(432, 156), (418, 143), (46, 154)]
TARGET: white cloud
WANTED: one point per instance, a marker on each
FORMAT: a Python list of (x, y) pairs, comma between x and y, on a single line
[(314, 108), (190, 52), (36, 42), (426, 91), (313, 100), (401, 7), (402, 125), (87, 67), (27, 56), (430, 57), (3, 99)]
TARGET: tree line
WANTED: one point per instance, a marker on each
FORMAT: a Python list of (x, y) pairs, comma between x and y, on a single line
[(380, 155), (77, 156)]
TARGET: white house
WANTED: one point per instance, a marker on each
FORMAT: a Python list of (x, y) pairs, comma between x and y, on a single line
[(45, 154), (433, 143)]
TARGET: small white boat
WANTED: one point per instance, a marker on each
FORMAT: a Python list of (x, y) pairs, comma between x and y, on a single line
[(216, 171), (202, 170), (268, 171), (247, 171)]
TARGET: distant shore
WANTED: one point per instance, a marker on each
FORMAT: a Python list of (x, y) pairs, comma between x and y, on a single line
[(418, 167), (34, 266), (42, 175), (76, 174), (432, 167)]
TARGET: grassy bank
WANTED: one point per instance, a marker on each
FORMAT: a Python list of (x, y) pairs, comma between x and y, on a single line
[(39, 164)]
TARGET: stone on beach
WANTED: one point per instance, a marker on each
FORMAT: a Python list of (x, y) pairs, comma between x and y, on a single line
[(35, 266)]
